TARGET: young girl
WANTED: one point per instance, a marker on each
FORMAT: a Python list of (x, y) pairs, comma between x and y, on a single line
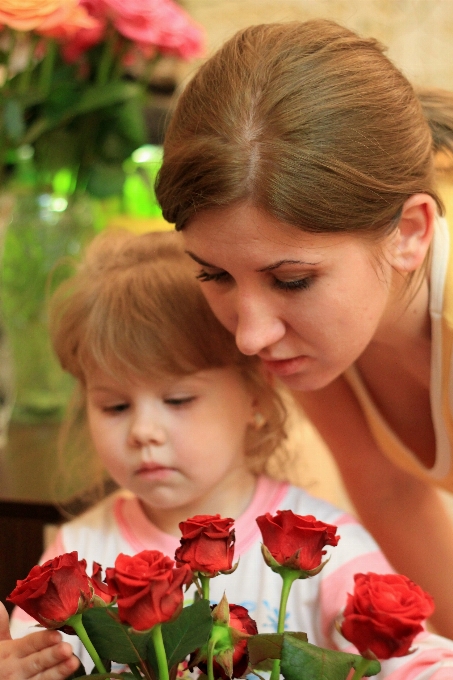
[(299, 164), (185, 424)]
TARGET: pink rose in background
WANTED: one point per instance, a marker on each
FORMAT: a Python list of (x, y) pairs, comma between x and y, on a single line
[(77, 23), (152, 25), (159, 23)]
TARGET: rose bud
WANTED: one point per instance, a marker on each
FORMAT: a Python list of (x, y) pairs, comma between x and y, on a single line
[(384, 614), (102, 595), (207, 544), (148, 588), (55, 591), (232, 626), (295, 541)]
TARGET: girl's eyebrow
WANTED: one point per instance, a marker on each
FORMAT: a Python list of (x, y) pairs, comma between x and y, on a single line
[(267, 268)]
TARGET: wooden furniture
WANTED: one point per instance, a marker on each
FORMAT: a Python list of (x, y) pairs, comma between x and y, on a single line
[(28, 500)]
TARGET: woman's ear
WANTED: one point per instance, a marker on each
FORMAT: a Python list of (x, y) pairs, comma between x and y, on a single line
[(409, 243)]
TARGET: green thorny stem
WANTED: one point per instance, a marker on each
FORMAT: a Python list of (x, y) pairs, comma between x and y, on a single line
[(204, 580), (76, 622), (162, 664), (47, 67), (361, 669), (107, 58), (288, 577), (216, 635)]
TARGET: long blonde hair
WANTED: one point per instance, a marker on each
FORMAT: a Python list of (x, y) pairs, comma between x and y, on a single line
[(134, 305), (311, 123)]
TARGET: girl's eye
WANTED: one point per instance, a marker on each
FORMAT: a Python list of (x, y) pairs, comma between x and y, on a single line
[(204, 276), (178, 401), (116, 408), (298, 284)]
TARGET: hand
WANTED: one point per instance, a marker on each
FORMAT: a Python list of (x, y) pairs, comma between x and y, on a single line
[(38, 656)]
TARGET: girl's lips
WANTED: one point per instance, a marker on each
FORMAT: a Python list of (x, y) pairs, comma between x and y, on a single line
[(153, 471), (284, 367)]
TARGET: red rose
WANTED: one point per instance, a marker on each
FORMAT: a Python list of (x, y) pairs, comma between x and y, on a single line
[(101, 589), (295, 541), (55, 590), (148, 587), (384, 614), (241, 622), (207, 544)]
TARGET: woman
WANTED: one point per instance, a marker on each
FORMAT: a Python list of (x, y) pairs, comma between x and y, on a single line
[(299, 164)]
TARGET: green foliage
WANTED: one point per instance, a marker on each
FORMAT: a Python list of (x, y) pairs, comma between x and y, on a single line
[(303, 661), (114, 640)]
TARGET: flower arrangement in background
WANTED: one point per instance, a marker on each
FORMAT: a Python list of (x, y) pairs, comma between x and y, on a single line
[(137, 617), (74, 77), (66, 95)]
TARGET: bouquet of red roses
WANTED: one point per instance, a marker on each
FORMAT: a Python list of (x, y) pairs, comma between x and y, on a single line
[(136, 617)]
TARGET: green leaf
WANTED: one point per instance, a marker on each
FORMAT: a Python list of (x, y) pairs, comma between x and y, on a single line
[(105, 676), (269, 646), (105, 180), (13, 115), (184, 635), (98, 97), (303, 661), (112, 639)]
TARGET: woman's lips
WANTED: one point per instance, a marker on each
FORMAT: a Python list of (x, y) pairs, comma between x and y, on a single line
[(285, 367)]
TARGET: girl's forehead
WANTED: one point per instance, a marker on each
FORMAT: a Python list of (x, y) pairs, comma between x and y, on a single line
[(99, 378)]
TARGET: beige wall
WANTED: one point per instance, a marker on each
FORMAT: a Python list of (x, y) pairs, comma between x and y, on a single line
[(418, 33)]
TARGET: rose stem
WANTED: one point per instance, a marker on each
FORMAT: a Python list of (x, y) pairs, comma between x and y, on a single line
[(216, 635), (361, 668), (47, 67), (288, 577), (76, 622), (204, 580), (162, 664)]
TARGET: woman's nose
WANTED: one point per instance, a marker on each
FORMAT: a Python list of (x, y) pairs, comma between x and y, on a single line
[(257, 326), (145, 429)]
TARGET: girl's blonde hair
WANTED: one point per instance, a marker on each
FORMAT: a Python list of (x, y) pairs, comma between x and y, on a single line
[(134, 305), (309, 122)]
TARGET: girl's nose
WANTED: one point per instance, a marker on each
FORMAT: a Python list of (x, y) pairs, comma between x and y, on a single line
[(146, 430), (257, 327)]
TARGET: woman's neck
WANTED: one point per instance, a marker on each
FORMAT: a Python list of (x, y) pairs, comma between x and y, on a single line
[(404, 336)]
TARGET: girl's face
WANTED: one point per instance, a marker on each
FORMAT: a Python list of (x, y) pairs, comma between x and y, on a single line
[(307, 304), (177, 443)]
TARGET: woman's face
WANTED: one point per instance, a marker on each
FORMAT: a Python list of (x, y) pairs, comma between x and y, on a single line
[(307, 304)]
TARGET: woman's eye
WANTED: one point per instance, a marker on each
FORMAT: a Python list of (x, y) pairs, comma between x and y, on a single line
[(298, 284), (178, 401), (204, 276)]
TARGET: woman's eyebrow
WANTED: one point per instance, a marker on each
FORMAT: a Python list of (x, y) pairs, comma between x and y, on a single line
[(199, 260), (267, 268), (278, 264)]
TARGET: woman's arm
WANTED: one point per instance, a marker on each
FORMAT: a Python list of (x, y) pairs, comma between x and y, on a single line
[(406, 516)]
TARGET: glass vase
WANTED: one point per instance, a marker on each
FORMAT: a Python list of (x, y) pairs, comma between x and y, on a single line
[(44, 232)]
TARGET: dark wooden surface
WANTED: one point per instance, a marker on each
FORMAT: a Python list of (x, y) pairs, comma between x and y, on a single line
[(28, 500)]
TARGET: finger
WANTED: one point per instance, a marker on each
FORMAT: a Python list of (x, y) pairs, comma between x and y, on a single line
[(35, 642), (4, 623), (53, 659), (61, 671)]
